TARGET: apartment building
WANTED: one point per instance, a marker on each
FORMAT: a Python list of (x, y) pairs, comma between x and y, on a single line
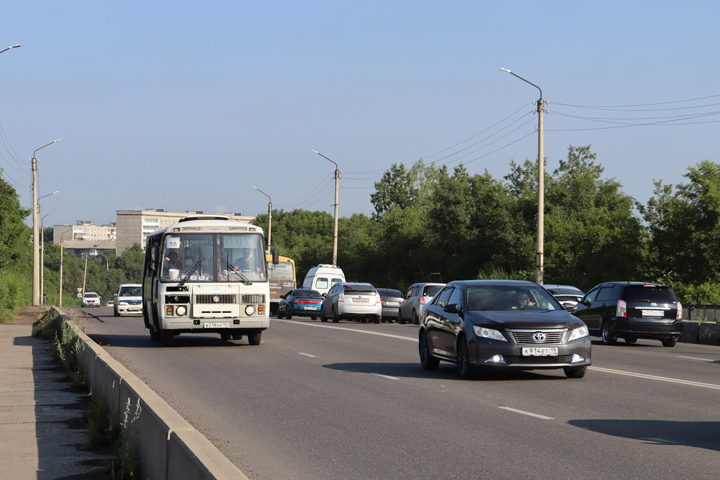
[(133, 226), (84, 231)]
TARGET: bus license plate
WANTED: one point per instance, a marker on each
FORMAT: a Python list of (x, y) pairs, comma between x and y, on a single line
[(540, 351), (216, 325)]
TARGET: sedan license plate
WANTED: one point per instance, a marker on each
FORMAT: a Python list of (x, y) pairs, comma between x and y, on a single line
[(311, 308), (216, 325), (653, 313), (540, 351), (360, 300)]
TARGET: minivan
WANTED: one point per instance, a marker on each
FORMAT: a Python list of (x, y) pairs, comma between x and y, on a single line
[(322, 277), (632, 310)]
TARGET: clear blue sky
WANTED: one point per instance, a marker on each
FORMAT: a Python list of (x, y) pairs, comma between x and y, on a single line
[(185, 105)]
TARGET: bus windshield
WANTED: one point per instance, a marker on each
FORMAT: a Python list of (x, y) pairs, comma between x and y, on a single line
[(283, 271), (219, 257)]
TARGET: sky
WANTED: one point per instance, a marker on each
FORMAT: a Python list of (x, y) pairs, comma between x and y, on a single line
[(187, 105)]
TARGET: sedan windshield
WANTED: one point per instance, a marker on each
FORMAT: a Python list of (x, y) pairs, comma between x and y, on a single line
[(510, 297)]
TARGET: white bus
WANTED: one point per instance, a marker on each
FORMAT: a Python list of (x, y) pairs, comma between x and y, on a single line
[(206, 274)]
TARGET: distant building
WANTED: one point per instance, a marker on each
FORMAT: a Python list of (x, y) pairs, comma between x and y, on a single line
[(84, 230), (133, 226)]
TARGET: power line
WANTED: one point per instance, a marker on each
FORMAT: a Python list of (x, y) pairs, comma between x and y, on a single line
[(636, 105)]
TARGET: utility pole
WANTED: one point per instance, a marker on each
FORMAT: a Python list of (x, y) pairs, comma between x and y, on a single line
[(87, 254), (337, 186), (269, 219), (36, 237), (539, 256), (62, 250)]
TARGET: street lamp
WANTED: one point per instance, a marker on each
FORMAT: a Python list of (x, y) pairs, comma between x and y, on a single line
[(107, 262), (539, 260), (42, 252), (10, 47), (269, 218), (337, 180), (36, 236)]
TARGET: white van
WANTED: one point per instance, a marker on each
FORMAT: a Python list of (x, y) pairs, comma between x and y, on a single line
[(322, 277)]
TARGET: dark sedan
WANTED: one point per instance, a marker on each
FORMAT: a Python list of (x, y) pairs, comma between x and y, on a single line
[(300, 303), (502, 324), (391, 300)]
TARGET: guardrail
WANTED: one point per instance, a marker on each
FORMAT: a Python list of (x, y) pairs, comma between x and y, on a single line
[(706, 313), (170, 448)]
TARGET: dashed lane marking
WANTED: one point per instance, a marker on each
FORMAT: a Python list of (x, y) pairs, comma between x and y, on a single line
[(523, 412), (655, 377), (307, 355)]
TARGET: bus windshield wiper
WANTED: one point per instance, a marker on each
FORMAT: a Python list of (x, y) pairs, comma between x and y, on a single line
[(182, 282)]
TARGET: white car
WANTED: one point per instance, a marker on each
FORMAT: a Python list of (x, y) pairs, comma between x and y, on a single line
[(90, 299), (352, 301), (128, 300), (110, 304)]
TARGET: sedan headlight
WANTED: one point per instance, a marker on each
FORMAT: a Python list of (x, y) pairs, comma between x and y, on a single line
[(489, 333), (578, 333)]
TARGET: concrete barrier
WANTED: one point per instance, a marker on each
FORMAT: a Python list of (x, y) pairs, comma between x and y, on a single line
[(170, 448)]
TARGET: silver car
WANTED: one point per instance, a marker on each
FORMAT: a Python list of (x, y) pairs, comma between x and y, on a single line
[(352, 301), (567, 295), (417, 296)]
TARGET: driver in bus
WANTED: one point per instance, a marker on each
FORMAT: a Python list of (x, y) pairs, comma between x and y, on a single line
[(246, 262)]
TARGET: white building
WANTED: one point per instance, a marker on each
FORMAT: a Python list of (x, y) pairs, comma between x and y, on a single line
[(133, 226)]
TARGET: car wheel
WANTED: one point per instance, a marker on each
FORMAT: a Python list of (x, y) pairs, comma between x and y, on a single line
[(167, 339), (335, 318), (279, 315), (401, 320), (322, 316), (225, 335), (415, 319), (464, 367), (670, 342), (630, 339), (237, 336), (289, 313), (427, 361), (607, 336), (575, 372), (115, 312), (254, 338)]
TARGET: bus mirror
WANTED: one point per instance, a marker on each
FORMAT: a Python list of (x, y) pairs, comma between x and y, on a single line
[(275, 256), (153, 257)]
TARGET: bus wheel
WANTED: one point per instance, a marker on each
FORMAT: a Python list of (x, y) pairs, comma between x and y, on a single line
[(254, 338), (167, 339)]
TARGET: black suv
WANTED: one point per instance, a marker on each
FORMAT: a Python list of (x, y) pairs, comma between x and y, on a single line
[(632, 310)]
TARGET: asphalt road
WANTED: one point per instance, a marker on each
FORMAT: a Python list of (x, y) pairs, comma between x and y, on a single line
[(350, 401)]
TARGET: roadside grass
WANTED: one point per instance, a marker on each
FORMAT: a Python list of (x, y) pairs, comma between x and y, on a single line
[(15, 294)]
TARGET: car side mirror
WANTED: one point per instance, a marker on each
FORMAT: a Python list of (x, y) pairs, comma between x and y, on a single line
[(324, 295), (452, 308)]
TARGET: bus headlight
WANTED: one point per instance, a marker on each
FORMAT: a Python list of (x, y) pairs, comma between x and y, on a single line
[(181, 310), (249, 310)]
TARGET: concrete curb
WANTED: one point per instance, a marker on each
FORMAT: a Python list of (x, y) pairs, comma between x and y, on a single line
[(170, 448)]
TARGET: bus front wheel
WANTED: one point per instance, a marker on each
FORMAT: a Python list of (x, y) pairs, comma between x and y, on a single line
[(254, 338)]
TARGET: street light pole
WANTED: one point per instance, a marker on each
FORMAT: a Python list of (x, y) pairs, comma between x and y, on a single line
[(62, 250), (36, 236), (269, 218), (42, 255), (8, 48), (337, 183), (539, 257)]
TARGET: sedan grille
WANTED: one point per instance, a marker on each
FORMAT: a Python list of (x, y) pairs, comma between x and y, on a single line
[(511, 359), (538, 336), (215, 299), (253, 299)]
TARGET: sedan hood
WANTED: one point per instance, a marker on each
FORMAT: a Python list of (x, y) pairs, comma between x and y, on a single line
[(525, 319)]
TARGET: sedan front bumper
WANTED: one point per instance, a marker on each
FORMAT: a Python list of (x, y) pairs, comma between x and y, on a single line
[(485, 353)]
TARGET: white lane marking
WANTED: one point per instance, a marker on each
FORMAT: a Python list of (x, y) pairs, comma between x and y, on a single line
[(307, 355), (348, 330), (384, 376), (695, 358), (654, 377), (542, 417)]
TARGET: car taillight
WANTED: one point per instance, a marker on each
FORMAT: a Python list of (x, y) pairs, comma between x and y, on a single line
[(621, 309), (378, 299), (382, 300), (678, 316), (341, 297)]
